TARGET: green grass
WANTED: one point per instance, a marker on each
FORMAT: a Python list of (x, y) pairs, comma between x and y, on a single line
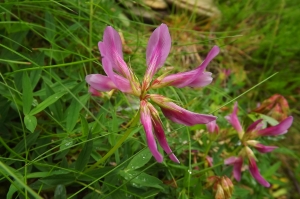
[(58, 141)]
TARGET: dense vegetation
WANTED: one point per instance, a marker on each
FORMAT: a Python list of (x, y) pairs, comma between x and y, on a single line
[(59, 141)]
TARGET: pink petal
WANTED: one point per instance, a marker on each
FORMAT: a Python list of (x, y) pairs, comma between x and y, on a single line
[(100, 82), (121, 83), (279, 129), (237, 163), (158, 49), (94, 92), (209, 160), (111, 50), (254, 126), (202, 80), (184, 79), (178, 80), (194, 78), (147, 124), (234, 121), (264, 149), (180, 115), (212, 54), (256, 174), (230, 160), (212, 127), (161, 137)]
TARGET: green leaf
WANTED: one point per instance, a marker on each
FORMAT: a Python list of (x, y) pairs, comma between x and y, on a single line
[(20, 147), (27, 93), (30, 122), (58, 179), (66, 144), (96, 173), (139, 179), (85, 154), (287, 152), (8, 171), (50, 26), (140, 159), (271, 170), (84, 126), (60, 192), (44, 174), (47, 102), (15, 186), (56, 109), (74, 111), (240, 192), (270, 120)]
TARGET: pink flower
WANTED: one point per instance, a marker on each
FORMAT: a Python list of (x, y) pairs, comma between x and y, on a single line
[(247, 139), (234, 121), (119, 76), (209, 161), (94, 92), (256, 174), (212, 127), (237, 163)]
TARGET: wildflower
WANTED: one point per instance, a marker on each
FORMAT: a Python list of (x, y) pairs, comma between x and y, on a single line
[(212, 127), (209, 161), (222, 186), (247, 139), (119, 76), (276, 106), (94, 92)]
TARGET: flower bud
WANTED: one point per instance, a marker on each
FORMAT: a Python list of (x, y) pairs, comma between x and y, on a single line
[(276, 107), (220, 193), (222, 186), (212, 127), (227, 186)]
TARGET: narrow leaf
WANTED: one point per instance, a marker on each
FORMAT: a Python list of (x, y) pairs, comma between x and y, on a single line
[(84, 126), (141, 179), (47, 102), (30, 122), (85, 154), (74, 111), (20, 147), (50, 26), (27, 93), (66, 144), (60, 192), (140, 160), (56, 109), (58, 179), (8, 171)]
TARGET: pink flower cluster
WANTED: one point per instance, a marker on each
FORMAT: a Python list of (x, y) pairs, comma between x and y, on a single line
[(119, 76), (247, 139)]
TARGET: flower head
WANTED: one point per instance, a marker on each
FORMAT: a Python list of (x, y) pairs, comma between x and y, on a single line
[(222, 186), (119, 76), (247, 139), (212, 127), (276, 106)]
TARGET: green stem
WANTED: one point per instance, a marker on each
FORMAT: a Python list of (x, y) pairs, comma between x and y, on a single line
[(132, 123), (91, 32)]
